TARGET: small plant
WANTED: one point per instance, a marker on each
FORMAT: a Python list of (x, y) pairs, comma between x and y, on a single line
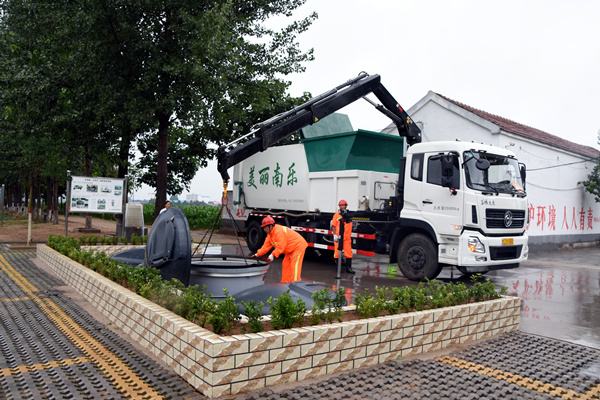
[(368, 306), (285, 312), (224, 315), (320, 304), (253, 310)]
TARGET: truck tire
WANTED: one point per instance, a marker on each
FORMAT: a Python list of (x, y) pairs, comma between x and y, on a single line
[(255, 236), (418, 258)]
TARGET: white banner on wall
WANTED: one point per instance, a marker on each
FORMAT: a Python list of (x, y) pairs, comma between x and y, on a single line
[(96, 195)]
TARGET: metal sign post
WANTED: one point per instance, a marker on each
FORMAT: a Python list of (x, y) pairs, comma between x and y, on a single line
[(68, 202), (124, 205)]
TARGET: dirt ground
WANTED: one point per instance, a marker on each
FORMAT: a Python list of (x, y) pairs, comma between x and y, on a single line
[(15, 230)]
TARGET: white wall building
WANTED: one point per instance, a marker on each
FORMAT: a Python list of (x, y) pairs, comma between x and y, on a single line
[(560, 210)]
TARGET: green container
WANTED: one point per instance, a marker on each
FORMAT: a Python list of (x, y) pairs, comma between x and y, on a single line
[(363, 150)]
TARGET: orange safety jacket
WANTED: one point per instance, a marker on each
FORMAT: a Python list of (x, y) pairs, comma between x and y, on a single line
[(290, 243), (284, 240), (336, 223)]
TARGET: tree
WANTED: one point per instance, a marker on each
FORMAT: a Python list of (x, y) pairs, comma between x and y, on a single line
[(195, 65), (592, 184)]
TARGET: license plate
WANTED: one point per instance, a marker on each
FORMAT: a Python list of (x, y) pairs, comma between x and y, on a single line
[(508, 242)]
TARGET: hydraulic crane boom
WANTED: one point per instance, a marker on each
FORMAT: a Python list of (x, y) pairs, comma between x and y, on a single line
[(271, 131)]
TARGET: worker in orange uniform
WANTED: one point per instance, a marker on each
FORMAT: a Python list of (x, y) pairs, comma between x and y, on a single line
[(341, 225), (285, 241)]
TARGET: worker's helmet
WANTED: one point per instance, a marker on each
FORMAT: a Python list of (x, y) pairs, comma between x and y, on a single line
[(268, 220), (343, 203)]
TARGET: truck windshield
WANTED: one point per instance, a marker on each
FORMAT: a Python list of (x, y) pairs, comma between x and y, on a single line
[(502, 176)]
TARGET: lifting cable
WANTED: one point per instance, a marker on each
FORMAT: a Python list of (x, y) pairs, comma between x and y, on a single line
[(224, 205)]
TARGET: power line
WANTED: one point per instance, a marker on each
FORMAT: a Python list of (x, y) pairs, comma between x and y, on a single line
[(558, 165)]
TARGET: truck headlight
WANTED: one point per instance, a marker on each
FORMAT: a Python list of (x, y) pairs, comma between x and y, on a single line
[(475, 245)]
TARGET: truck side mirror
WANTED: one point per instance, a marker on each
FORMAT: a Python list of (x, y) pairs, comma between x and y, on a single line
[(448, 161), (523, 171)]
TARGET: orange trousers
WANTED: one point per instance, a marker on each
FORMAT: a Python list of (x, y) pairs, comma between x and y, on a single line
[(291, 267)]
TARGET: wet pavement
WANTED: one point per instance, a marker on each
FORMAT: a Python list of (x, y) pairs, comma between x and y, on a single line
[(560, 289)]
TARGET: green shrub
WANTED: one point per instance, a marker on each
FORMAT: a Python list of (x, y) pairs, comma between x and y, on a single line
[(285, 312), (224, 314), (368, 306), (253, 310)]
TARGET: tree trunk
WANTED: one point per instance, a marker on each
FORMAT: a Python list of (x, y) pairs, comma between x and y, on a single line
[(29, 210), (161, 169), (55, 207), (87, 170)]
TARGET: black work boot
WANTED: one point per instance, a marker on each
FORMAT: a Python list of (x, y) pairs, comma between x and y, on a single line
[(349, 266)]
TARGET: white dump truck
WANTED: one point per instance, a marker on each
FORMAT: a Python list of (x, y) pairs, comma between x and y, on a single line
[(435, 204)]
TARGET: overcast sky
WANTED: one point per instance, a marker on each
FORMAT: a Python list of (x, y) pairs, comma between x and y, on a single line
[(535, 62)]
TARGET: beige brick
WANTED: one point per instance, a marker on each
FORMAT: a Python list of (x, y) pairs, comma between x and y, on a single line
[(467, 339), (442, 315), (351, 354), (281, 379), (460, 311), (423, 317), (311, 373), (379, 324), (260, 371), (320, 360), (458, 332), (477, 309), (432, 347), (314, 348), (296, 364), (229, 376), (412, 351), (342, 344), (266, 342), (450, 343), (392, 356), (247, 386), (401, 344), (284, 353), (421, 340), (474, 329), (354, 329), (370, 338), (387, 336), (442, 335), (218, 391), (366, 362), (249, 359), (433, 327), (413, 331), (298, 336), (470, 320), (484, 335), (376, 349), (339, 367), (321, 334), (227, 348), (402, 321)]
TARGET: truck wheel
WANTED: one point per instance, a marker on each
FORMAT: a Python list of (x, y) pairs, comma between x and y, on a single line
[(255, 236), (418, 258)]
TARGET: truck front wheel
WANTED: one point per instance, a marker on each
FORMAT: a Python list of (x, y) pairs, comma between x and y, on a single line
[(255, 236), (417, 258)]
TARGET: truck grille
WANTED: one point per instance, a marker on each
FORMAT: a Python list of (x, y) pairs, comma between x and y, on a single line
[(505, 252), (504, 219)]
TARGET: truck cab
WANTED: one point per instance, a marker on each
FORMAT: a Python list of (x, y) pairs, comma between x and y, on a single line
[(463, 204)]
